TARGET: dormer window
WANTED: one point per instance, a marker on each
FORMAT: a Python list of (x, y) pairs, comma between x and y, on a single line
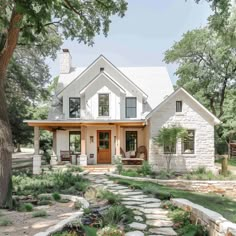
[(74, 107), (179, 106), (101, 69)]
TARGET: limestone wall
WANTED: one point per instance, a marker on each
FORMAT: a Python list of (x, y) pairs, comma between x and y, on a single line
[(216, 224), (192, 117)]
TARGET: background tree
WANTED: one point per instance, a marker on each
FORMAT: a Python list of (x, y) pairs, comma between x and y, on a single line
[(167, 138), (29, 23)]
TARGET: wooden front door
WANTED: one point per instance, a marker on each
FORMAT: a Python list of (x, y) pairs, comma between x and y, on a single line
[(103, 146)]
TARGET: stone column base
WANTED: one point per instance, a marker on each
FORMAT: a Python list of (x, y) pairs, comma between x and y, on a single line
[(37, 164), (53, 160), (83, 160)]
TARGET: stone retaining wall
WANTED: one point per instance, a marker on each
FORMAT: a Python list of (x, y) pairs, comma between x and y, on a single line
[(216, 224), (227, 188)]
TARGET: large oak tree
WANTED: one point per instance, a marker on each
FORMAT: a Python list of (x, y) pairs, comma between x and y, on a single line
[(28, 23)]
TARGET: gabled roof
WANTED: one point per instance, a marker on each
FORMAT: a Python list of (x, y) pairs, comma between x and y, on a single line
[(107, 77), (182, 90), (90, 66)]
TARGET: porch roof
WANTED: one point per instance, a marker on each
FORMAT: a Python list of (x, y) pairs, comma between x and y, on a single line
[(52, 124)]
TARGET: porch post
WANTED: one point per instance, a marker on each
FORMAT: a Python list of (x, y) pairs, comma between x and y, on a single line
[(53, 160), (83, 156), (37, 156), (117, 140)]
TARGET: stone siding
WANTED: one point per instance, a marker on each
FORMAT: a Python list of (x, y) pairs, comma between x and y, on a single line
[(192, 117), (216, 224)]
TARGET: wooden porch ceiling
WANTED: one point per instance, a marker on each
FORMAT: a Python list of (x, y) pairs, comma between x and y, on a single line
[(64, 125)]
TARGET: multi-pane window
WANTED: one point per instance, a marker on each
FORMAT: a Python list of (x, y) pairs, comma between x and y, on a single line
[(188, 143), (103, 104), (179, 106), (170, 148), (74, 107), (75, 142), (131, 107), (131, 140)]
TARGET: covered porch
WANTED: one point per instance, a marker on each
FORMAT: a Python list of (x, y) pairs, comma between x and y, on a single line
[(92, 142)]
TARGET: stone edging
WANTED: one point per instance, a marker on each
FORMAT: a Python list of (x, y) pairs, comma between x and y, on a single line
[(85, 172), (61, 224), (226, 187), (215, 222)]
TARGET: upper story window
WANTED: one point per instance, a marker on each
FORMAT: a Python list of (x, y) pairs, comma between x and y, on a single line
[(103, 104), (131, 107), (179, 106), (74, 107), (188, 143)]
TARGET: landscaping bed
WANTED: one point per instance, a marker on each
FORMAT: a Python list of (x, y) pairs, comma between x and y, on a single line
[(39, 201)]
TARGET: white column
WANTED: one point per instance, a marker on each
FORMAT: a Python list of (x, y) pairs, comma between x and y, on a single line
[(37, 156), (83, 156), (53, 160)]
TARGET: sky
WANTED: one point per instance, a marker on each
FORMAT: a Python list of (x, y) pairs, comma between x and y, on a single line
[(149, 28)]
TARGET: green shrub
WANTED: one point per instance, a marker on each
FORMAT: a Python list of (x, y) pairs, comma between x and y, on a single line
[(109, 196), (56, 196), (40, 213), (44, 202), (64, 200), (45, 197), (129, 172), (74, 168), (26, 207), (180, 216), (81, 186), (65, 234), (5, 222), (119, 167), (145, 168), (78, 205), (192, 230), (163, 174), (116, 214)]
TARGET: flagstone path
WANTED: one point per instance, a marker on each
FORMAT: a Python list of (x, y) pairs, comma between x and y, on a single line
[(150, 218)]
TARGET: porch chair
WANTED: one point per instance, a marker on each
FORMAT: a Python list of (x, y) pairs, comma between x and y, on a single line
[(65, 156)]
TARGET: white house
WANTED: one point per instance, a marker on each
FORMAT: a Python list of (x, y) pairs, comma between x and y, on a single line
[(103, 111)]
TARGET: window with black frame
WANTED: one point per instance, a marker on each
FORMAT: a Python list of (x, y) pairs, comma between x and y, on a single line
[(103, 104), (75, 142), (188, 143), (74, 107), (131, 107), (131, 140), (179, 106)]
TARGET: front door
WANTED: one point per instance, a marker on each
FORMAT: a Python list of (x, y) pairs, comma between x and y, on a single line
[(103, 146)]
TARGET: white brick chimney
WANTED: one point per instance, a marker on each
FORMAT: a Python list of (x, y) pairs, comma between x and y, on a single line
[(65, 61)]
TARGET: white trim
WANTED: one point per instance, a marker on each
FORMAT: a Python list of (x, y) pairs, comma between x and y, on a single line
[(215, 119), (92, 64), (98, 76)]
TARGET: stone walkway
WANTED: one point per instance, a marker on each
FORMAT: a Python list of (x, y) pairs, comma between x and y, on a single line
[(150, 218)]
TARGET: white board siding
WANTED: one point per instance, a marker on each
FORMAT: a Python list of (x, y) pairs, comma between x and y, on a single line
[(190, 118)]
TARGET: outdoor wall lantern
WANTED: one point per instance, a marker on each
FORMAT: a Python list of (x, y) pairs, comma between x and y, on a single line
[(91, 139)]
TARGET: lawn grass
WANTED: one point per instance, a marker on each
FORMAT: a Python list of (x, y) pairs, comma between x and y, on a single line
[(231, 162), (223, 205)]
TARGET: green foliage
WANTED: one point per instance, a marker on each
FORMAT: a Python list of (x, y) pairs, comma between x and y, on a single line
[(119, 166), (78, 205), (81, 186), (56, 196), (64, 200), (5, 222), (75, 168), (130, 172), (26, 207), (109, 196), (55, 181), (163, 174), (89, 231), (145, 168), (40, 213), (117, 214), (67, 234)]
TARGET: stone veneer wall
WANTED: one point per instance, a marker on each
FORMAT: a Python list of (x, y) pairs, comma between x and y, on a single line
[(216, 224), (193, 118)]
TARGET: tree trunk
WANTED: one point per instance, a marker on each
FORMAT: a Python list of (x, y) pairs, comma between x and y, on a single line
[(6, 149)]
